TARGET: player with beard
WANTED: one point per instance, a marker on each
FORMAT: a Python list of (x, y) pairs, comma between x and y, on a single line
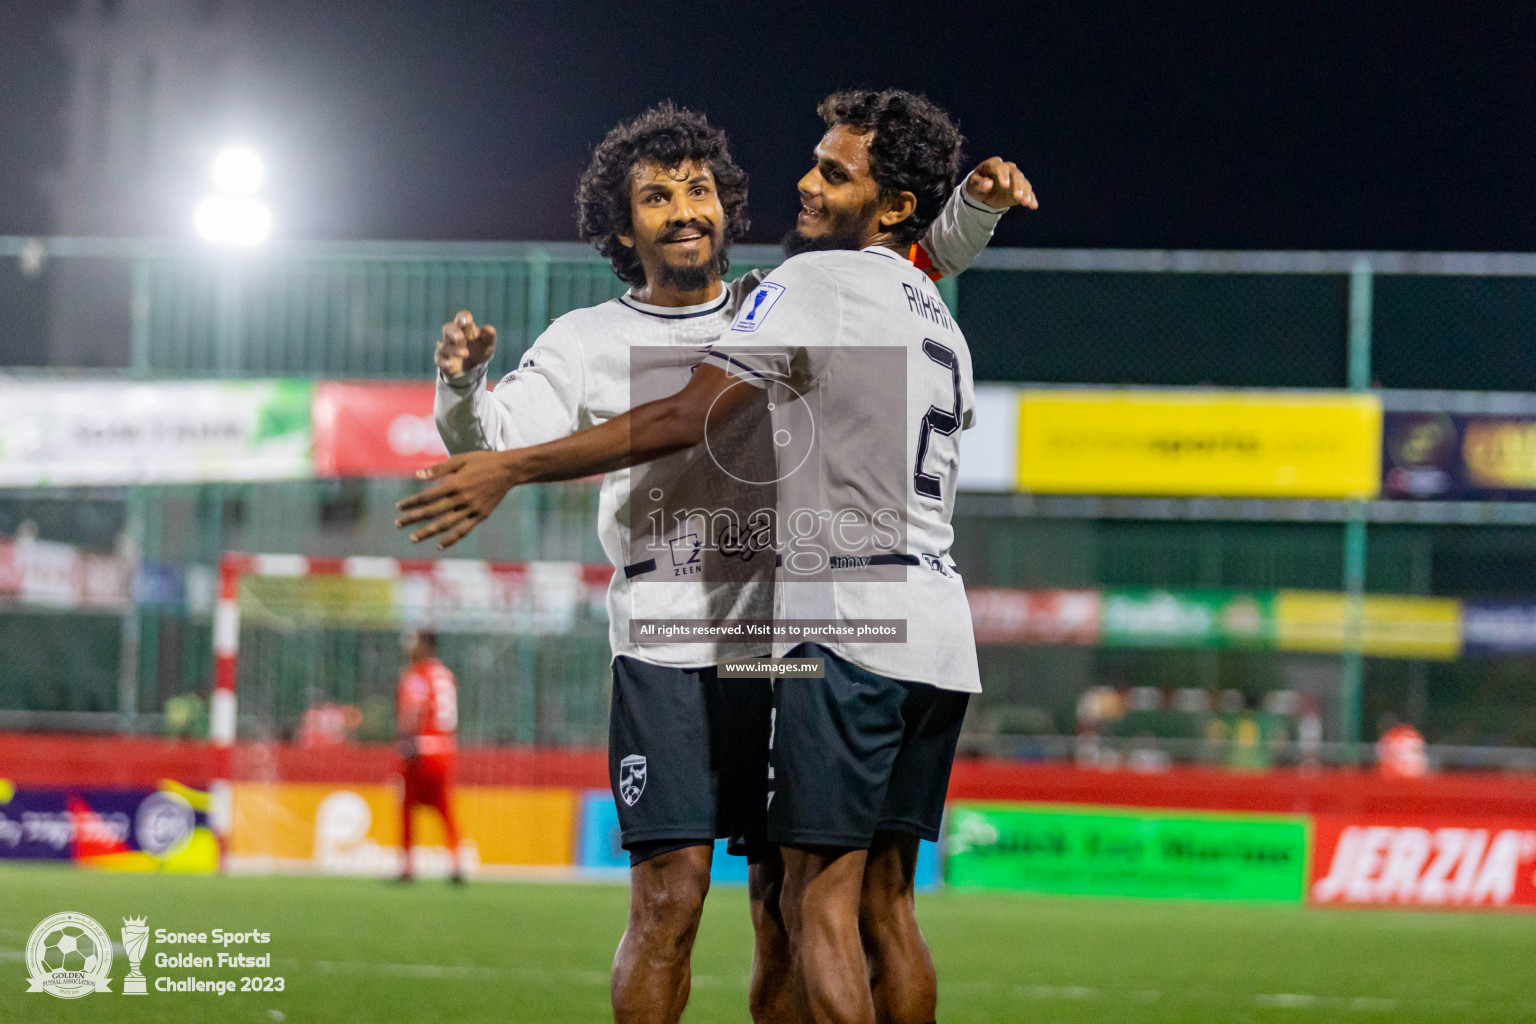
[(662, 200)]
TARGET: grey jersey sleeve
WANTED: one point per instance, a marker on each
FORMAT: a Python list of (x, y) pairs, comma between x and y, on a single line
[(961, 232), (539, 401)]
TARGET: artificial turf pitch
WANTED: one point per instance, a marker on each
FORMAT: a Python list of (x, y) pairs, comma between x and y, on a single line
[(354, 950)]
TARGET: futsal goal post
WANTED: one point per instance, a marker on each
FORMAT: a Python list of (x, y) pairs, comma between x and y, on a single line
[(307, 654)]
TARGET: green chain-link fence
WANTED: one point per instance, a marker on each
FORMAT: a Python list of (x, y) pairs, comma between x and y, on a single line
[(1251, 320)]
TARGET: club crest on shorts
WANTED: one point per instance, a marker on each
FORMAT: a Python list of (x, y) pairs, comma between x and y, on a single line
[(632, 778)]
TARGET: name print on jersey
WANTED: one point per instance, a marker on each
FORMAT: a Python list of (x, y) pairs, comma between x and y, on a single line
[(928, 307)]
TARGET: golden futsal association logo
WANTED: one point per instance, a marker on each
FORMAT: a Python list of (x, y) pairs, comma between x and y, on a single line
[(69, 956)]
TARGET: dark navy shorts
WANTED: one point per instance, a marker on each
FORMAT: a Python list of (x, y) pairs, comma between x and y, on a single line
[(856, 752), (688, 758)]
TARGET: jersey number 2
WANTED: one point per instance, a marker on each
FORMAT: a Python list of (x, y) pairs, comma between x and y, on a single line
[(936, 420)]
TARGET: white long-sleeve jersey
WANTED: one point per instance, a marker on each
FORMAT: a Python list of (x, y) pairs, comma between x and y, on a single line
[(579, 374)]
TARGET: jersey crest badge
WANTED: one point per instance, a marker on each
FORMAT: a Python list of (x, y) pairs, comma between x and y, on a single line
[(632, 778), (686, 550), (756, 307)]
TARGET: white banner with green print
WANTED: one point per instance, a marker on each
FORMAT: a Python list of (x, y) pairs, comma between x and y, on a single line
[(60, 433)]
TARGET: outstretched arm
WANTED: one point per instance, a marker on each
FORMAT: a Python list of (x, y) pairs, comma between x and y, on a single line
[(471, 485), (964, 227), (999, 184)]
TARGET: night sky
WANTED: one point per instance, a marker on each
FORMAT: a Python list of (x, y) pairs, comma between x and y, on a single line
[(1173, 124)]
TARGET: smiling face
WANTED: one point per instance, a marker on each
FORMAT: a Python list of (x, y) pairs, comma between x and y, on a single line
[(841, 206), (677, 224)]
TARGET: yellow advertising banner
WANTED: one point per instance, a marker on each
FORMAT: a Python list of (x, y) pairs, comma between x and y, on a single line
[(1500, 453), (355, 829), (1390, 627), (1200, 443)]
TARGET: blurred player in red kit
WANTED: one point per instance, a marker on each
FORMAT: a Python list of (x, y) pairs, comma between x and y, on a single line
[(427, 714)]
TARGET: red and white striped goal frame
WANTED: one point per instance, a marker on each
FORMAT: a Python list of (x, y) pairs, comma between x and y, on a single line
[(234, 566)]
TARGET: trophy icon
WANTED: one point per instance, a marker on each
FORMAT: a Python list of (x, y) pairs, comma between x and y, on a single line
[(135, 940)]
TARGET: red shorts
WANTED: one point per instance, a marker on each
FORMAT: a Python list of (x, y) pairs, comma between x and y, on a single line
[(427, 779)]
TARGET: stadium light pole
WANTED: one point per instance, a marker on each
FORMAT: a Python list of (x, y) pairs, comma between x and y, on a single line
[(232, 218)]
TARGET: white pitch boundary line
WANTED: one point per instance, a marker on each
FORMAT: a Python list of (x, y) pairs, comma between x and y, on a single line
[(450, 972), (1034, 993), (1278, 1000), (249, 866), (1291, 1000)]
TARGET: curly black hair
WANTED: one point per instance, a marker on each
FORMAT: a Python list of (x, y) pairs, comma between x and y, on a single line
[(915, 148), (669, 136)]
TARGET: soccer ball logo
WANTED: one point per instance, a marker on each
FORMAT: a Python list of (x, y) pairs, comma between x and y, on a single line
[(69, 956), (70, 948), (632, 778)]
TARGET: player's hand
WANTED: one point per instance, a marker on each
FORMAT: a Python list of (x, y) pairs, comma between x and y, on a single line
[(463, 345), (468, 489), (1000, 184)]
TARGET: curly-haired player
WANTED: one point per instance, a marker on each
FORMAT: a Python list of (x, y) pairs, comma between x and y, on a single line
[(663, 139), (663, 200), (910, 146)]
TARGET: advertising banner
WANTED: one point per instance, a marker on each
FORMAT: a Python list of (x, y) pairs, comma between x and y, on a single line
[(355, 829), (991, 460), (163, 829), (63, 433), (1202, 443), (1498, 627), (1104, 851), (1391, 627), (375, 429), (1423, 861), (1188, 618), (452, 595), (1459, 457), (61, 576), (1002, 616)]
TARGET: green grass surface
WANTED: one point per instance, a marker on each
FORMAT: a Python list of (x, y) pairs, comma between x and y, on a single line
[(355, 951)]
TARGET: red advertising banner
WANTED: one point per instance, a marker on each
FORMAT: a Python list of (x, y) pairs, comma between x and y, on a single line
[(374, 429), (1003, 616), (1423, 861)]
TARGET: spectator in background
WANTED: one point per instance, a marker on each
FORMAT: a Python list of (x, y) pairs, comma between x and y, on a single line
[(326, 723), (1400, 751), (427, 715)]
